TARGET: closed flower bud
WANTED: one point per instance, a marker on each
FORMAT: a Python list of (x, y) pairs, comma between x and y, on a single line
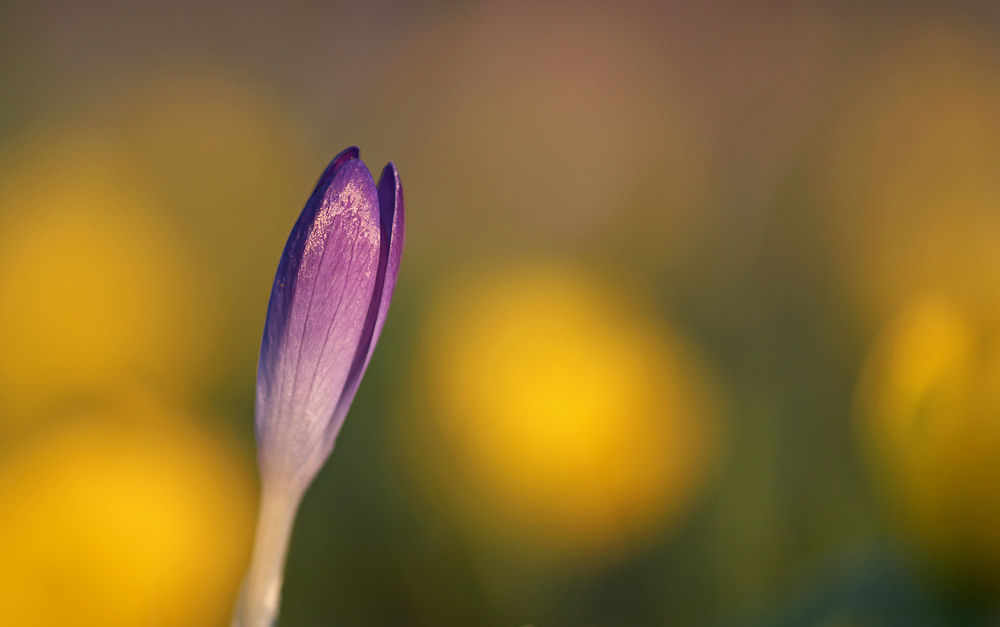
[(328, 304)]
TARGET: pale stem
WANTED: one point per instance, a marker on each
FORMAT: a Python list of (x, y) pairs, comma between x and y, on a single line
[(260, 598)]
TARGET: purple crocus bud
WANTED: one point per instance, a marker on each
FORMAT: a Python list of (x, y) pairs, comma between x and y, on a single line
[(328, 304)]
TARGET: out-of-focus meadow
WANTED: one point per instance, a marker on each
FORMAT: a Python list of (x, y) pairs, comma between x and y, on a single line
[(698, 321)]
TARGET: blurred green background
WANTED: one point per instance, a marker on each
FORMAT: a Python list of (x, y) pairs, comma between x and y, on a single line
[(698, 321)]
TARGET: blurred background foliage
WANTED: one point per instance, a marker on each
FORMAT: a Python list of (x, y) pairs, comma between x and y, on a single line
[(698, 323)]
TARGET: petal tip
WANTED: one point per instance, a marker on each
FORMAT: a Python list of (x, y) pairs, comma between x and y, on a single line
[(389, 192), (348, 154)]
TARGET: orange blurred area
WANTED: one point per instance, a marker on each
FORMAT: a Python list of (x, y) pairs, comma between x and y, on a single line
[(571, 420), (544, 129), (928, 414), (128, 516), (913, 172), (581, 123)]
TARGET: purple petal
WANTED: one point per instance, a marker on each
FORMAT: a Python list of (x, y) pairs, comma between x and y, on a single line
[(390, 200), (318, 320), (391, 224)]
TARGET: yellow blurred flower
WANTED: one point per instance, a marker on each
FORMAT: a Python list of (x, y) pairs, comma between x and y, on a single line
[(571, 420), (928, 414), (123, 518), (94, 290)]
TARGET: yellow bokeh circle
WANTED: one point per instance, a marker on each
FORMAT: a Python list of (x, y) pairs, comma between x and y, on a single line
[(570, 419), (120, 520), (928, 414), (94, 289)]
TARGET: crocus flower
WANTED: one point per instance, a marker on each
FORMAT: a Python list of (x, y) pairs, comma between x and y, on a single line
[(328, 304)]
